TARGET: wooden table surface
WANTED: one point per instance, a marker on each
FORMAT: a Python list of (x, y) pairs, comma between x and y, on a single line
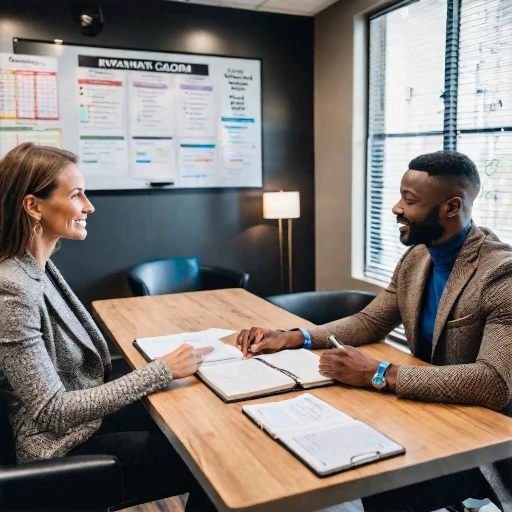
[(239, 466)]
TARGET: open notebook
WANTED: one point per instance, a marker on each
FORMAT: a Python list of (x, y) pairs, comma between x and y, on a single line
[(322, 437), (234, 379), (264, 375)]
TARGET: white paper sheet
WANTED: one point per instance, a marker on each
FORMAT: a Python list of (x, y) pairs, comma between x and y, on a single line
[(339, 447), (296, 414)]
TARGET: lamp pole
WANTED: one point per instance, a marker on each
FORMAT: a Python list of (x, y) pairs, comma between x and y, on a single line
[(281, 206), (281, 262), (290, 268)]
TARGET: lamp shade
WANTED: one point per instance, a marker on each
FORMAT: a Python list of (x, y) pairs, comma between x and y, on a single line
[(281, 205)]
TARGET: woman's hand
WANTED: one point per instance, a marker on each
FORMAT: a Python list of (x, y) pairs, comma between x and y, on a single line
[(185, 360)]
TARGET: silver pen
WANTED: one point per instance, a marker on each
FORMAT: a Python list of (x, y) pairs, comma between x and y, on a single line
[(335, 341)]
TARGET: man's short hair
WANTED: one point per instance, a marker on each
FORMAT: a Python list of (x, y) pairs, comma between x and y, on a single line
[(450, 165)]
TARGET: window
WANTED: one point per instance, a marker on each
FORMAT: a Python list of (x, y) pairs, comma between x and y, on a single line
[(440, 76)]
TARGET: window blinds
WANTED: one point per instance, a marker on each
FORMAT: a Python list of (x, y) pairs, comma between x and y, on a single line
[(406, 113), (440, 75)]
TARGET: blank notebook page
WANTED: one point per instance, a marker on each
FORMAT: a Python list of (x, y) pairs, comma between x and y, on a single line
[(242, 377), (302, 363), (159, 346)]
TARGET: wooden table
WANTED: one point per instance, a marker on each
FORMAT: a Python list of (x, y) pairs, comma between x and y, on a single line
[(240, 467)]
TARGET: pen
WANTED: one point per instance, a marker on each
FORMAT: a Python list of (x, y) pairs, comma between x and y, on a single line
[(335, 341)]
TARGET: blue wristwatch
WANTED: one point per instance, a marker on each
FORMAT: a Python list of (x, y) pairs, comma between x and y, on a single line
[(379, 380)]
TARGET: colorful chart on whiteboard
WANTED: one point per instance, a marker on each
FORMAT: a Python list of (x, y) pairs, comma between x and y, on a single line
[(138, 119), (29, 104)]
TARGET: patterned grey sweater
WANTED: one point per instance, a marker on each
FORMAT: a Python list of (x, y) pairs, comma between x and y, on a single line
[(53, 359)]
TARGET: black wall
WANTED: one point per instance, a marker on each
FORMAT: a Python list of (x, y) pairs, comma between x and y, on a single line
[(220, 226)]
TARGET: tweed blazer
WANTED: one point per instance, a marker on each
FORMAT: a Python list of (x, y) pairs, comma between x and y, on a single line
[(53, 360), (472, 343)]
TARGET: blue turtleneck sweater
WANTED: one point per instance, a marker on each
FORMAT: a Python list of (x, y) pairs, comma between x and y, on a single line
[(443, 258)]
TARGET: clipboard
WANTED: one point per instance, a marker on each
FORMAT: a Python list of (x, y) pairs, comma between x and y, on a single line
[(332, 446)]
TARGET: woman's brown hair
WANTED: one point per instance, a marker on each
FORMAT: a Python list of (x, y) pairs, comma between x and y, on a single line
[(27, 169)]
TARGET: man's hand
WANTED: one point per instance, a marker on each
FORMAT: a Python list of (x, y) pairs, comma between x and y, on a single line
[(258, 340), (349, 366)]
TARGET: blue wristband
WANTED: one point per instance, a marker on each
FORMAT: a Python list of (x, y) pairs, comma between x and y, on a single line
[(307, 339)]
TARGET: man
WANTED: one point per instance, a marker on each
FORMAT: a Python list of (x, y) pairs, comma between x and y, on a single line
[(452, 290)]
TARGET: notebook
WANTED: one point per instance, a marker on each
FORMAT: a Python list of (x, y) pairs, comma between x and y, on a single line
[(234, 379), (264, 375), (158, 346), (325, 439)]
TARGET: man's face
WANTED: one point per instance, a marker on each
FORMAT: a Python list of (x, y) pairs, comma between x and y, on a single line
[(418, 211)]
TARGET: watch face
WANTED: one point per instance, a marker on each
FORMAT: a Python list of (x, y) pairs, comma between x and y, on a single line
[(378, 381)]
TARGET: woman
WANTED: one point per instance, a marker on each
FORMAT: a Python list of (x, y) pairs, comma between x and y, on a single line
[(53, 358)]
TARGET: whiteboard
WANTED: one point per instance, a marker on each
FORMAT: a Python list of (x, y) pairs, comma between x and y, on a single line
[(139, 119)]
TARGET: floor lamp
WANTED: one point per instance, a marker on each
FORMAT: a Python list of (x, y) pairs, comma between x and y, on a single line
[(283, 205)]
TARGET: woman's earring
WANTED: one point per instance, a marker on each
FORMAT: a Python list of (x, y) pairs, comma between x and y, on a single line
[(38, 229)]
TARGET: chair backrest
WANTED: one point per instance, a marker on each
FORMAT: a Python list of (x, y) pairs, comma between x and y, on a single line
[(7, 448), (171, 275), (324, 306), (215, 278)]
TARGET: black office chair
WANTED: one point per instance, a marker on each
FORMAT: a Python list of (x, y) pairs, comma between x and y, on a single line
[(325, 306), (91, 483), (176, 275)]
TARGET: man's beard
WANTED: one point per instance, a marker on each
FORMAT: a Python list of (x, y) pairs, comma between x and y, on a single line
[(425, 232)]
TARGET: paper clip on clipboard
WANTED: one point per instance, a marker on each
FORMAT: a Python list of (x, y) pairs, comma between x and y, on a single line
[(364, 458)]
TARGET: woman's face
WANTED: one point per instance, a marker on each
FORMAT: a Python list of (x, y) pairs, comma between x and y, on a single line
[(64, 213)]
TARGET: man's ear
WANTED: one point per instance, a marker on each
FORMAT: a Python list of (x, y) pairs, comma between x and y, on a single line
[(453, 206), (31, 206)]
